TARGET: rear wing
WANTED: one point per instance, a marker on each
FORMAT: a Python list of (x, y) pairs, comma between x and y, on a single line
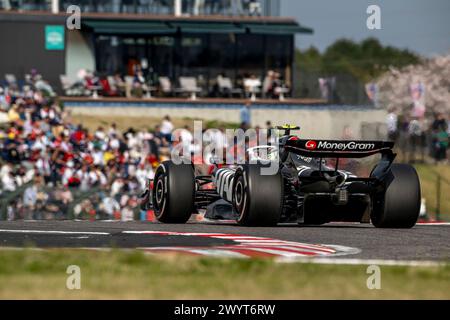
[(337, 148)]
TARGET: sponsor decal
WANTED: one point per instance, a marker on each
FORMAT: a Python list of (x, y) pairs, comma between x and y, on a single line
[(311, 145), (344, 146)]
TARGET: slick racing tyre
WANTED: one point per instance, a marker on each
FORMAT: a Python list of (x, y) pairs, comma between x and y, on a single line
[(173, 192), (399, 205), (257, 198)]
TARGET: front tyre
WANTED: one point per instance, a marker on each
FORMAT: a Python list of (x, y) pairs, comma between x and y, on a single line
[(173, 192), (257, 198), (399, 206)]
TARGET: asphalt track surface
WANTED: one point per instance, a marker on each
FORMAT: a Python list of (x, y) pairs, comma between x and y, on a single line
[(423, 242)]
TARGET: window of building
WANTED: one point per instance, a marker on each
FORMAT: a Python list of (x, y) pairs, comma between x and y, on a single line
[(222, 52), (279, 54), (250, 55), (203, 56), (192, 59), (161, 56)]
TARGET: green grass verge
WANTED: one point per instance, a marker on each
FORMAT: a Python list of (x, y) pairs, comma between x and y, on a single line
[(428, 179), (32, 274)]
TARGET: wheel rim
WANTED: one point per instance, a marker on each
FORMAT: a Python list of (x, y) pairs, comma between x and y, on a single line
[(159, 194), (240, 198), (239, 193)]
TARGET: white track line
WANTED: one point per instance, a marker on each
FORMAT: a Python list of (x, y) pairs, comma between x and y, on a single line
[(54, 232), (381, 262), (433, 224), (150, 232)]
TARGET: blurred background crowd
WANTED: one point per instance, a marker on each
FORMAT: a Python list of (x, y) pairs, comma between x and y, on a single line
[(194, 7), (141, 83), (45, 152)]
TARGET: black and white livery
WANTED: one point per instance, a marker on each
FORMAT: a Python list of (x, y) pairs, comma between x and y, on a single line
[(303, 189)]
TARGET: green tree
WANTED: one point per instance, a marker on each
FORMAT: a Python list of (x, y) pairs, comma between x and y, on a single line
[(365, 60)]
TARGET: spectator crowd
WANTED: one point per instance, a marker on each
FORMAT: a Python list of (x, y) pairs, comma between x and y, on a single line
[(194, 7), (139, 82), (420, 137), (43, 151)]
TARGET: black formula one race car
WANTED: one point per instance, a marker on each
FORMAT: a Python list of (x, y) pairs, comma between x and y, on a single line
[(304, 189)]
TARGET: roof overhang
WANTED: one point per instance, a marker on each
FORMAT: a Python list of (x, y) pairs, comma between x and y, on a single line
[(167, 27), (277, 28), (128, 27), (208, 27), (109, 23)]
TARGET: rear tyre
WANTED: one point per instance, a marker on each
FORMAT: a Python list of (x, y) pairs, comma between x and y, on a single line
[(173, 192), (257, 198), (399, 206)]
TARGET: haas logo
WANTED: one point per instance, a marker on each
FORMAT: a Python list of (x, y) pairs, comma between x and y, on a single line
[(311, 145)]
